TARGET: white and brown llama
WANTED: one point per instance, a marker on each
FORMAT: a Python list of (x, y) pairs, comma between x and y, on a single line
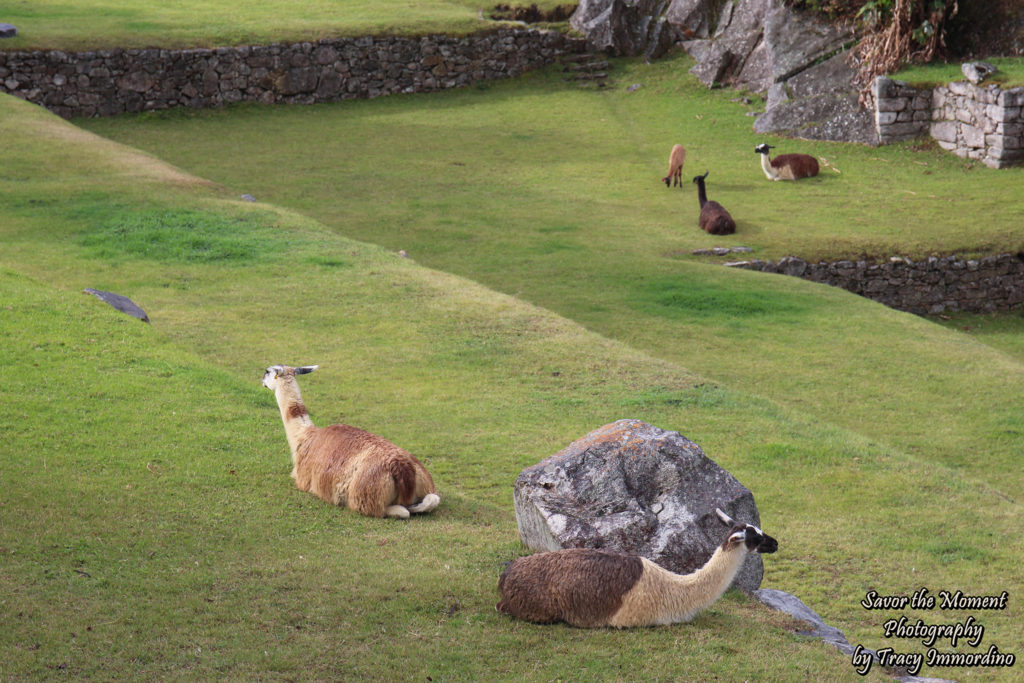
[(786, 166), (347, 466), (586, 587)]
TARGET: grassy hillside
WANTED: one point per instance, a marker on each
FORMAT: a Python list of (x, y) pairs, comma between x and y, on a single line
[(542, 159), (544, 191), (154, 532), (92, 24), (173, 544)]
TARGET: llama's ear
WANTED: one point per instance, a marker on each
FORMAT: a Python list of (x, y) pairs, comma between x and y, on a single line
[(724, 517), (306, 369)]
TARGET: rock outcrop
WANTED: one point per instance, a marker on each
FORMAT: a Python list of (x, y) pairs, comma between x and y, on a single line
[(794, 58), (625, 27), (632, 487), (820, 103)]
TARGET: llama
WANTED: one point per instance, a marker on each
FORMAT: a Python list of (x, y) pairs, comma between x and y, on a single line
[(587, 588), (347, 466), (786, 166), (714, 219), (675, 166)]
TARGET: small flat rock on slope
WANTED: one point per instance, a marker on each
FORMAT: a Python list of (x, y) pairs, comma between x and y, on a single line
[(120, 302), (633, 487)]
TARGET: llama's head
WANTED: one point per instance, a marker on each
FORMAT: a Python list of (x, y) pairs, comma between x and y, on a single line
[(699, 179), (276, 373), (763, 148), (667, 180), (749, 536)]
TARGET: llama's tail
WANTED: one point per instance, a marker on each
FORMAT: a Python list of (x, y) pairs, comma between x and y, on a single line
[(429, 502)]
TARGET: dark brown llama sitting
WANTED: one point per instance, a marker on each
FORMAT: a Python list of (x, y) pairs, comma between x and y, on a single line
[(714, 219)]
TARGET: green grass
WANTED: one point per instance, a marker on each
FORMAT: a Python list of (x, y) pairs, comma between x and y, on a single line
[(1003, 332), (538, 159), (173, 543), (541, 190), (182, 236), (147, 521), (92, 24), (1010, 74)]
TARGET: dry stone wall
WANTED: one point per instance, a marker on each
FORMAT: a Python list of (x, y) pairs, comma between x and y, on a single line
[(935, 285), (111, 82), (983, 123)]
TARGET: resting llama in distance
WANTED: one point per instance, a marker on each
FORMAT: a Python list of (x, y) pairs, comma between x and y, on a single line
[(675, 166), (586, 587), (714, 219), (345, 465), (786, 166)]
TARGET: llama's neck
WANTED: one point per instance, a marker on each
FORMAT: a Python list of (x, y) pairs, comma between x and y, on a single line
[(293, 413), (769, 170), (702, 195), (688, 594)]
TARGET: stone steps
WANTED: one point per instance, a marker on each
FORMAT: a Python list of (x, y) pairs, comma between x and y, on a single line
[(585, 69)]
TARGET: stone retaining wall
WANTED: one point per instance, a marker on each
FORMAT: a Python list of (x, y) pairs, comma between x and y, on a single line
[(986, 285), (111, 82), (986, 124)]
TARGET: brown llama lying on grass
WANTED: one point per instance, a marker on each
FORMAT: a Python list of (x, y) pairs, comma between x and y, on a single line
[(586, 587), (348, 466), (714, 219)]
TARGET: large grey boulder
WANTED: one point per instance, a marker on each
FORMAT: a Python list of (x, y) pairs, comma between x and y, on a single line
[(738, 34), (760, 45), (632, 487), (820, 103), (761, 42), (798, 60), (694, 18), (625, 27), (796, 41)]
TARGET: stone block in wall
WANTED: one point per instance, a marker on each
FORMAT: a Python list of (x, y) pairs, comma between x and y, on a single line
[(984, 95), (1006, 155), (884, 88), (885, 118), (1003, 141), (888, 104), (972, 136), (330, 84), (1000, 114), (901, 131), (1010, 128), (958, 88), (1013, 97), (964, 114)]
